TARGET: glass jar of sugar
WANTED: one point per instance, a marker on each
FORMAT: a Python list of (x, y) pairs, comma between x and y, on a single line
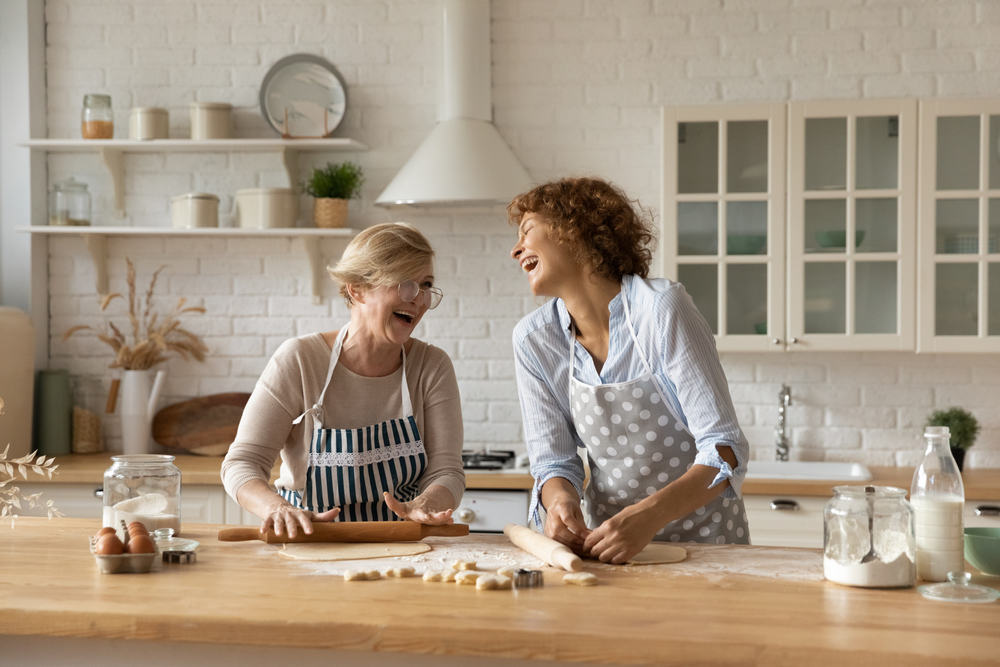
[(97, 121), (868, 537), (144, 488)]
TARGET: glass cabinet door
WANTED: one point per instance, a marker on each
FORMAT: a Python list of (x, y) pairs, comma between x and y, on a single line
[(851, 225), (959, 280), (723, 218)]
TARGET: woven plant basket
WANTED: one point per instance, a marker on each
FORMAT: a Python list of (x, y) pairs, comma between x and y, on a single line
[(329, 212)]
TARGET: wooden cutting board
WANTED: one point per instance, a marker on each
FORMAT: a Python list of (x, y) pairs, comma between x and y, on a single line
[(205, 425)]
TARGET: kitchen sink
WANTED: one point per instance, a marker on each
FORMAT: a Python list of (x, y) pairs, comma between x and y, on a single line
[(819, 470)]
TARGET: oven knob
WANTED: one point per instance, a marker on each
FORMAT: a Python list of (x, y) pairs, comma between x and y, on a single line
[(465, 514)]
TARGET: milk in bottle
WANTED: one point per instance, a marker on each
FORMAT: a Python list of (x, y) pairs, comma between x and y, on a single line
[(937, 496)]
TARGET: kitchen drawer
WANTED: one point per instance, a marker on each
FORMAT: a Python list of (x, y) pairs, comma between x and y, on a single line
[(785, 521), (488, 511)]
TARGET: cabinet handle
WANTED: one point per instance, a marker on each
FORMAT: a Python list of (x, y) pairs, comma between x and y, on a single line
[(782, 505), (775, 341), (987, 510), (99, 492), (465, 514), (794, 341)]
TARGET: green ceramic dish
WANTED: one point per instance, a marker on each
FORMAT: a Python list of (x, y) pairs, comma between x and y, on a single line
[(982, 549), (746, 244), (837, 238)]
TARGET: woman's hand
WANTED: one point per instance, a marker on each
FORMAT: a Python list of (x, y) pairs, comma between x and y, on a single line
[(285, 518), (422, 509), (622, 536), (564, 523)]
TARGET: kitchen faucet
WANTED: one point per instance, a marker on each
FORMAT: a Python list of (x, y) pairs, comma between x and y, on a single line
[(780, 439)]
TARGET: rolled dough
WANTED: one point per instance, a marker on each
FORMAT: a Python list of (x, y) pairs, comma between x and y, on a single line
[(351, 550)]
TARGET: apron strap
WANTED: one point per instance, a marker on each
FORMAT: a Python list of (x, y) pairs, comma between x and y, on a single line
[(317, 408), (631, 330)]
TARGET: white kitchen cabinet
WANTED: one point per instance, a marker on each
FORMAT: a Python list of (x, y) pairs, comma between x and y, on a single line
[(762, 248), (489, 510), (785, 521), (724, 218), (959, 280), (200, 503)]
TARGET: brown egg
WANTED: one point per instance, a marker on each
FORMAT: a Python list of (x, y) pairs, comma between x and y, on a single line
[(107, 530), (137, 527), (109, 545), (140, 544)]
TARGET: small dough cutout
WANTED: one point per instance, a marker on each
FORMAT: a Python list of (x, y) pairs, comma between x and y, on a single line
[(504, 583), (580, 579), (433, 575), (464, 565), (448, 576), (487, 582), (507, 571), (467, 577), (362, 575), (400, 572)]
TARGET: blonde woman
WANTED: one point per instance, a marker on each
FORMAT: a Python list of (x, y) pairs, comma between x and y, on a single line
[(367, 420)]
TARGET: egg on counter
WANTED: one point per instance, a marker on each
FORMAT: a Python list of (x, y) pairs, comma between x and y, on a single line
[(140, 544), (107, 530), (109, 545)]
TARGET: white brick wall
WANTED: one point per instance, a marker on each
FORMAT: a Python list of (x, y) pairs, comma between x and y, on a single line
[(577, 85)]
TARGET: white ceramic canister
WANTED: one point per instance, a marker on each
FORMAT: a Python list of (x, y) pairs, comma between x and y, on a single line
[(194, 209), (146, 123), (260, 208), (211, 120)]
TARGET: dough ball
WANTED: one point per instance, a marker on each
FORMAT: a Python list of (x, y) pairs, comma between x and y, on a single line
[(580, 579), (400, 572), (467, 577)]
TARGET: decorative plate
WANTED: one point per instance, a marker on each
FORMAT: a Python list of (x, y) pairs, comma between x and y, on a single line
[(302, 95)]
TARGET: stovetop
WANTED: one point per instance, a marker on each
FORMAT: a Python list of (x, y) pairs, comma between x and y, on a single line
[(494, 459)]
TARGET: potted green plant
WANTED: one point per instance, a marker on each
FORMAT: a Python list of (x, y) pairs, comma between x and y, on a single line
[(963, 427), (331, 186)]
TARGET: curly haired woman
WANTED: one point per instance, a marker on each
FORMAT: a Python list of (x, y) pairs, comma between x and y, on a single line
[(624, 367)]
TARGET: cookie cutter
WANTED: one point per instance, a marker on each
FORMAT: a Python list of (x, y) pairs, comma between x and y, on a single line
[(527, 578), (179, 556)]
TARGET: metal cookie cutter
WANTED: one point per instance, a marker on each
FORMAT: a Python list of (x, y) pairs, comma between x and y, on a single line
[(528, 578), (179, 556), (175, 549)]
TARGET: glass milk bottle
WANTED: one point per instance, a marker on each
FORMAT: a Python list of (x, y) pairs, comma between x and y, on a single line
[(937, 496)]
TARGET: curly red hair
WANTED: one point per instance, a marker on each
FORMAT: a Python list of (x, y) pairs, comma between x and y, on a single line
[(596, 220)]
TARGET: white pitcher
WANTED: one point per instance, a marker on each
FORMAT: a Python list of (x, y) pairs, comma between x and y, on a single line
[(140, 392)]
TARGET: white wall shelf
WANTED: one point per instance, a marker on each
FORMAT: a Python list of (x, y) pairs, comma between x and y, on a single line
[(111, 151), (96, 237)]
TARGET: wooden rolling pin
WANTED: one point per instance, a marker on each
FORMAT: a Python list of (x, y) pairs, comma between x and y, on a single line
[(348, 531), (536, 544)]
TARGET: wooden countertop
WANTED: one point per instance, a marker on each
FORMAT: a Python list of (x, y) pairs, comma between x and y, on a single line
[(980, 484), (50, 586)]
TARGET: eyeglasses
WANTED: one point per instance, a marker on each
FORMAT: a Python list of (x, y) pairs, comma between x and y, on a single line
[(409, 290)]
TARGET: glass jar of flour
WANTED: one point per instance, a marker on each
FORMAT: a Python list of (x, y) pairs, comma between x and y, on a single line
[(145, 488), (868, 537)]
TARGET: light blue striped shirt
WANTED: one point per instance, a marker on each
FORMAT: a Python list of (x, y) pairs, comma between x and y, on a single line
[(679, 347)]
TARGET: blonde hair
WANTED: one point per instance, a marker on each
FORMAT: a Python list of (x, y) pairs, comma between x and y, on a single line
[(381, 256)]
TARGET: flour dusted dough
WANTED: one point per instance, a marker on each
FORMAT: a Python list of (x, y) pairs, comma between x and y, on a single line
[(659, 553), (351, 550)]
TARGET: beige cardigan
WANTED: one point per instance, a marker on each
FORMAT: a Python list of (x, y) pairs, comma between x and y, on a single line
[(293, 381)]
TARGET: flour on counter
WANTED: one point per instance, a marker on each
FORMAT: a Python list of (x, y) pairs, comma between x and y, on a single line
[(715, 559)]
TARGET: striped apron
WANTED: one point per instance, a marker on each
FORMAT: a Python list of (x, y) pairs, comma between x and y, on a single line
[(636, 445), (349, 468)]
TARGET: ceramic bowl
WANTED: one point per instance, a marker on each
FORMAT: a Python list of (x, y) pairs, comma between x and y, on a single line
[(837, 238), (746, 244), (982, 549)]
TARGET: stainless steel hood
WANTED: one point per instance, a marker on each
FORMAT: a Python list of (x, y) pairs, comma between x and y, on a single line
[(464, 161)]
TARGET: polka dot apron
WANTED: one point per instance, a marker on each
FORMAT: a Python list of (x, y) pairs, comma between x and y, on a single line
[(349, 468), (635, 446)]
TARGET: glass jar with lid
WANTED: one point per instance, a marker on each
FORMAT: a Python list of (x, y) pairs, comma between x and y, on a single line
[(868, 537), (69, 203), (145, 488), (97, 120)]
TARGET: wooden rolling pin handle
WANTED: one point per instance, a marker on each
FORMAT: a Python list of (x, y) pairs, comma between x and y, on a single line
[(552, 552)]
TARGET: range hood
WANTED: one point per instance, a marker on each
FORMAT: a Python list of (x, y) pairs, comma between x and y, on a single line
[(464, 161)]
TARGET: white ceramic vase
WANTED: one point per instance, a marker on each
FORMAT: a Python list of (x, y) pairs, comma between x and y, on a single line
[(140, 391)]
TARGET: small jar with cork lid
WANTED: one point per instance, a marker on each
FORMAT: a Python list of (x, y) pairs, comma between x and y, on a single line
[(97, 120)]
